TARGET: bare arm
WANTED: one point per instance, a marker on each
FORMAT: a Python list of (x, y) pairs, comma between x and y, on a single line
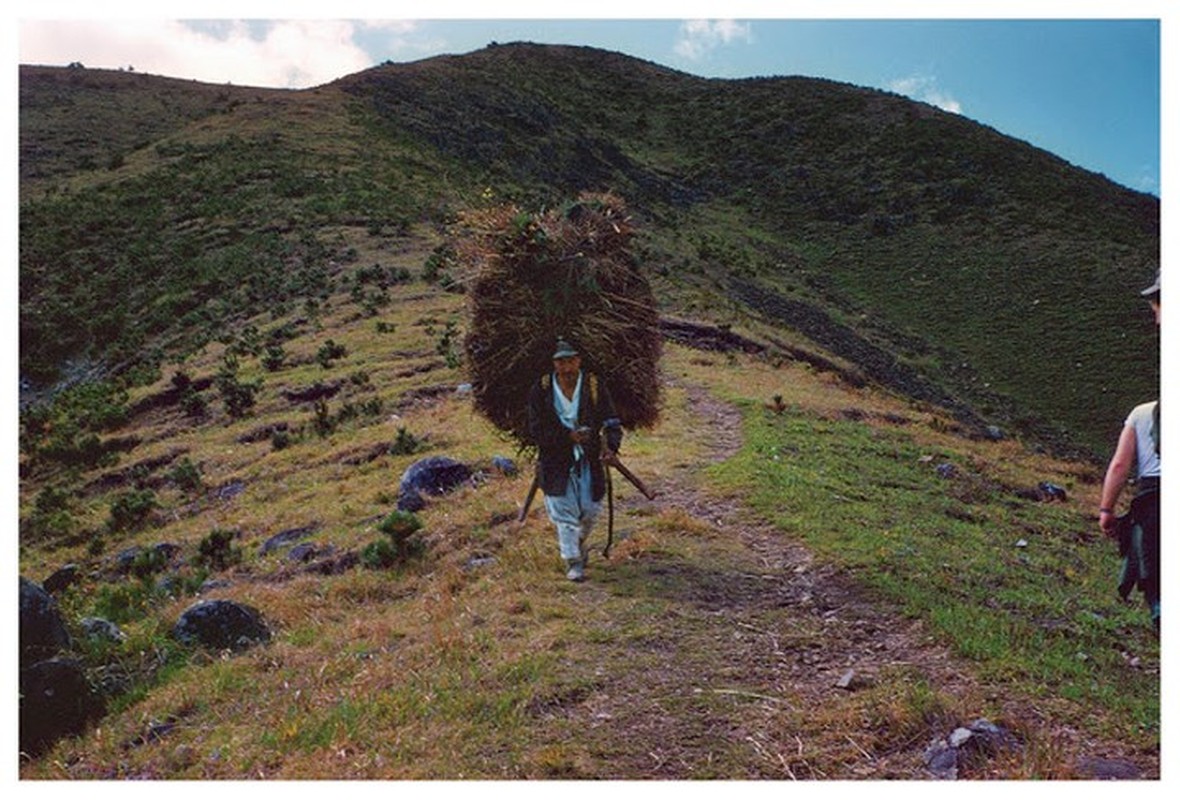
[(1117, 473)]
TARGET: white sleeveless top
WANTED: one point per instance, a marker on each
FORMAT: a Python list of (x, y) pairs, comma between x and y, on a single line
[(1148, 459)]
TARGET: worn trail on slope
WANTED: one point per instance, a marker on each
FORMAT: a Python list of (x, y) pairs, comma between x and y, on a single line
[(748, 652), (740, 678)]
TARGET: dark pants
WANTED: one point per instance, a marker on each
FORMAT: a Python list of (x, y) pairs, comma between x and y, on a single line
[(1139, 545)]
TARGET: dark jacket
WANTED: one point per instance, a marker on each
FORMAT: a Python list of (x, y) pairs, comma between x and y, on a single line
[(596, 411)]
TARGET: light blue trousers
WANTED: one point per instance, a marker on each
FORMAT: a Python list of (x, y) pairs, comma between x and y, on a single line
[(574, 512)]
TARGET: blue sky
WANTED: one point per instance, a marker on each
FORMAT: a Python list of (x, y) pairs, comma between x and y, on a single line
[(1087, 90)]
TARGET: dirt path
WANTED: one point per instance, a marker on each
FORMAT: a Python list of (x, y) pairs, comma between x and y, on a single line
[(767, 665)]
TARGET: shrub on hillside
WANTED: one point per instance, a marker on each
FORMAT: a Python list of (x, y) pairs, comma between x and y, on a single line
[(191, 401), (52, 515), (186, 476), (131, 510), (238, 396), (217, 550), (149, 562), (66, 431), (405, 444), (273, 357), (400, 545), (330, 352)]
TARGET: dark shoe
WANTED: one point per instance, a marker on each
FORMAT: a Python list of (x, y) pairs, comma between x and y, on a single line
[(577, 571)]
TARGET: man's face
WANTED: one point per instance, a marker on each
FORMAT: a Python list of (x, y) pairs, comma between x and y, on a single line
[(567, 367)]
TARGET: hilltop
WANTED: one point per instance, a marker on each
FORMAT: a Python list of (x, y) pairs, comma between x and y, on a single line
[(260, 286)]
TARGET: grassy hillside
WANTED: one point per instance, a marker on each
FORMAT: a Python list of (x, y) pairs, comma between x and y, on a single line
[(991, 267), (709, 645), (995, 268), (242, 319)]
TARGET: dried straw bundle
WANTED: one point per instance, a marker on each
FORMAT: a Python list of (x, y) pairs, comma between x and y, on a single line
[(569, 273)]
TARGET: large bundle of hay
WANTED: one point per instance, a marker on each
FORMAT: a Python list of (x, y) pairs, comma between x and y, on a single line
[(568, 273)]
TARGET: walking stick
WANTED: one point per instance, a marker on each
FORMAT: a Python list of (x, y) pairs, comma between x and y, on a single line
[(610, 496), (638, 484), (610, 514), (528, 500)]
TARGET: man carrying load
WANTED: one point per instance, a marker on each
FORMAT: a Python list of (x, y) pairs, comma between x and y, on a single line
[(570, 411)]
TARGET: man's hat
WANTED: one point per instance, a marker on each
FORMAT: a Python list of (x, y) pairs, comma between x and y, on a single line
[(1154, 288), (564, 350)]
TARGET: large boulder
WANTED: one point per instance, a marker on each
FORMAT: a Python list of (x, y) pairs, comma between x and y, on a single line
[(55, 701), (42, 630), (435, 475), (221, 625)]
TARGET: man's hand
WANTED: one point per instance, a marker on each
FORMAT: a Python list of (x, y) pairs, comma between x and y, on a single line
[(1109, 524)]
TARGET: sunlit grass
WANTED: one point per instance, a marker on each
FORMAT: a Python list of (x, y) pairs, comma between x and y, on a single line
[(1023, 589), (463, 663)]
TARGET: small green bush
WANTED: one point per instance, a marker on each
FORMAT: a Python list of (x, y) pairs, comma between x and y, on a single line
[(280, 439), (399, 545), (274, 357), (52, 516), (130, 511), (187, 476), (329, 352), (238, 396), (149, 562), (123, 602), (217, 550), (324, 423), (438, 262), (400, 527), (51, 499), (380, 554), (405, 444)]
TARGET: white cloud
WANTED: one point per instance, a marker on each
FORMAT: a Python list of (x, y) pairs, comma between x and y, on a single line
[(1147, 181), (698, 37), (287, 54), (925, 89)]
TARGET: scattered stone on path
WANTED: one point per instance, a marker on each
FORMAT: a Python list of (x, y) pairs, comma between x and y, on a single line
[(945, 756)]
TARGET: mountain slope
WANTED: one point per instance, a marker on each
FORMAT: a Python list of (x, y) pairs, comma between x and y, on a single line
[(992, 268), (826, 586)]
